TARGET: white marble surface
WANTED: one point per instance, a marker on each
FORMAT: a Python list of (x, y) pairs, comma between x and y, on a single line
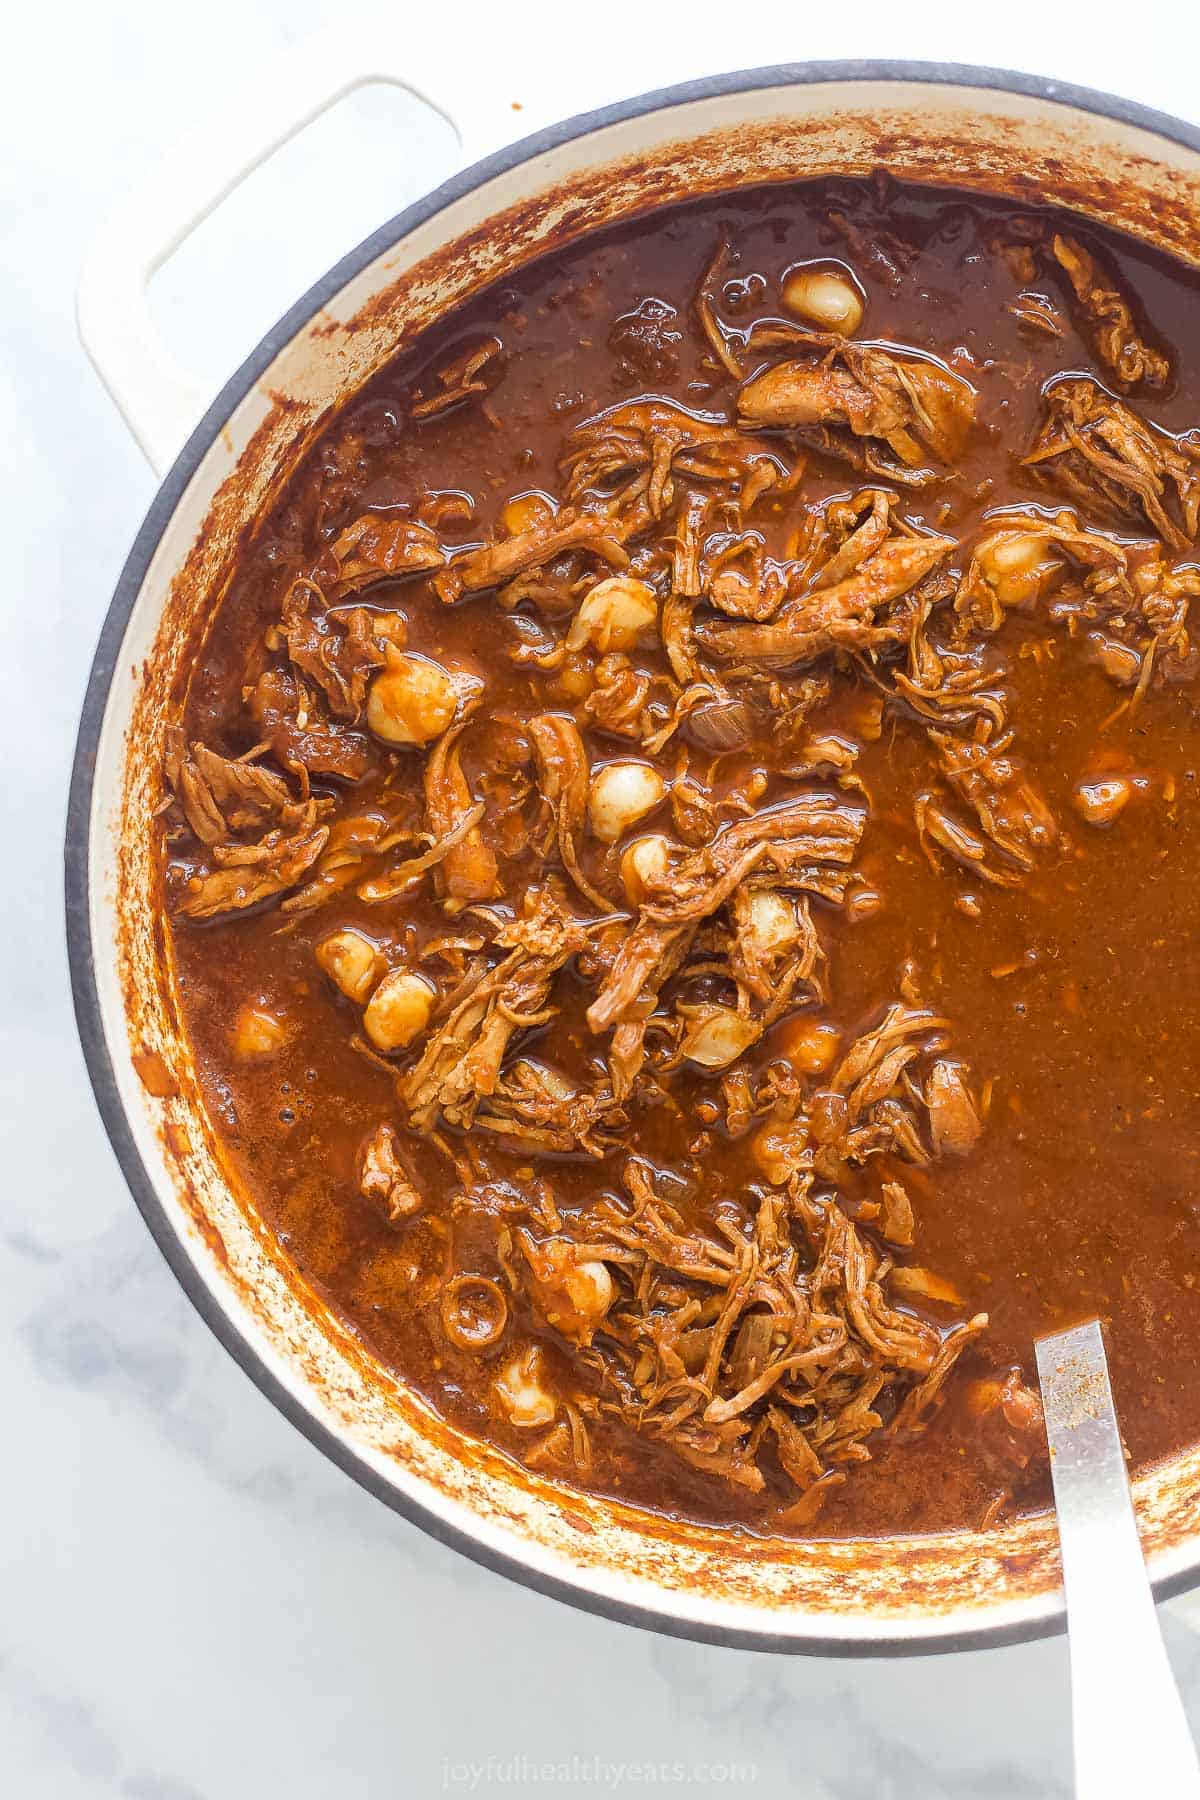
[(196, 1606)]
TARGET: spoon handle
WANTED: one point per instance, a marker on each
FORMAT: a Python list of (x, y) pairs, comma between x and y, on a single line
[(1130, 1732)]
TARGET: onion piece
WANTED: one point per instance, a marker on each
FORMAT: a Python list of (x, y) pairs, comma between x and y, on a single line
[(717, 1035), (721, 725), (923, 1284), (474, 1312)]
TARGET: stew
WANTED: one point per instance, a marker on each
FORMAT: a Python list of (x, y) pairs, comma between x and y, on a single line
[(681, 855)]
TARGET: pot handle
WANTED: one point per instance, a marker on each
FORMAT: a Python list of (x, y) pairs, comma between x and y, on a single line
[(158, 399)]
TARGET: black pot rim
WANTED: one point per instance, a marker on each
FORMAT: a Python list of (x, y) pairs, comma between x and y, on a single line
[(81, 951)]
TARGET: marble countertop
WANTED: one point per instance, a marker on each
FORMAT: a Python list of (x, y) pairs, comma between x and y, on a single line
[(194, 1604)]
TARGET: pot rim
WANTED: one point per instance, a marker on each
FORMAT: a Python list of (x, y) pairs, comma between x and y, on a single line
[(1049, 1618)]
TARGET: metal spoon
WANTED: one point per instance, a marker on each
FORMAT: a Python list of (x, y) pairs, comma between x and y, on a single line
[(1129, 1729)]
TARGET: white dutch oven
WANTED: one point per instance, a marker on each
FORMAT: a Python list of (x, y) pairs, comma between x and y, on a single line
[(974, 128)]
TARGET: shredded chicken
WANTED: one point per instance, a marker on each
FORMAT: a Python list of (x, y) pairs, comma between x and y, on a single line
[(953, 1121), (464, 376), (337, 654), (460, 1065), (248, 875), (844, 616), (507, 558), (1102, 454), (856, 400), (383, 1179), (715, 1338), (1109, 314), (467, 871), (563, 777), (221, 797), (382, 546), (536, 1106), (800, 843), (643, 448)]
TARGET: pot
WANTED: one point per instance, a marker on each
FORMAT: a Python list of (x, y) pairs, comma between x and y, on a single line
[(974, 128)]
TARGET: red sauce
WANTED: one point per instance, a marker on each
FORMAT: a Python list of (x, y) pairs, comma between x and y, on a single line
[(1063, 962)]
